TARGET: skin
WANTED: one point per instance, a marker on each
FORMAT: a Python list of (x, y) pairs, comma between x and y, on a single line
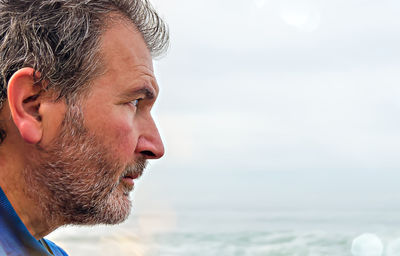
[(116, 110)]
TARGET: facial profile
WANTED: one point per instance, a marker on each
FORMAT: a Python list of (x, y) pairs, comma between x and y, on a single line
[(85, 172)]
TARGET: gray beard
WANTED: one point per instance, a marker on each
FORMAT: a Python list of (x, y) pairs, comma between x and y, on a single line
[(76, 181)]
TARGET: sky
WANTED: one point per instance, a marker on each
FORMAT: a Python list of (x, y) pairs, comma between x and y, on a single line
[(276, 105)]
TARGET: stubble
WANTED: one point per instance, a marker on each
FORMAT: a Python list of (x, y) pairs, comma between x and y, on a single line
[(76, 180)]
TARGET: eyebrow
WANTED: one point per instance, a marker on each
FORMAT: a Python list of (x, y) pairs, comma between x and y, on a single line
[(145, 90)]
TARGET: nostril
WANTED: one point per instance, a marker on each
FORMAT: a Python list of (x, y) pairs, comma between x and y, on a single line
[(148, 153)]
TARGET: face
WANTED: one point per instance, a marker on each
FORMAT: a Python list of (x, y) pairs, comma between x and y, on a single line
[(105, 139)]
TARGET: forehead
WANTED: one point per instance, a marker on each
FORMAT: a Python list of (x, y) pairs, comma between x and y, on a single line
[(122, 38), (124, 55)]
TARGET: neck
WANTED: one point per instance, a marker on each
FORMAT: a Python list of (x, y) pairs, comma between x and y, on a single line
[(33, 218), (23, 196)]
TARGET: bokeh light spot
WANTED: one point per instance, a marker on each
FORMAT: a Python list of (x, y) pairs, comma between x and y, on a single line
[(367, 245)]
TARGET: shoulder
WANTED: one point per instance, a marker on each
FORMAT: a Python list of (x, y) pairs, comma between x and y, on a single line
[(57, 251)]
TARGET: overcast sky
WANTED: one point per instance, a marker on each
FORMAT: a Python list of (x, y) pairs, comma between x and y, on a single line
[(278, 104)]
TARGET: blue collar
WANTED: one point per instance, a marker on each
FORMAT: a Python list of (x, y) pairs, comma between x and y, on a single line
[(15, 238)]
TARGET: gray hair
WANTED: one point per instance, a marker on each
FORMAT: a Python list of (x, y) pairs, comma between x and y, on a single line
[(59, 39)]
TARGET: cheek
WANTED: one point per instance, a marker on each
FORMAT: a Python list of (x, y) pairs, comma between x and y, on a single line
[(115, 127), (123, 140)]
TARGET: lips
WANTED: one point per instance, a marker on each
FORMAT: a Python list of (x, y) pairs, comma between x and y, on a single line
[(131, 176), (131, 173), (128, 179)]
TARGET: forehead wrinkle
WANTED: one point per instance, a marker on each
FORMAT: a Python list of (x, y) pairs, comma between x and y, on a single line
[(148, 78)]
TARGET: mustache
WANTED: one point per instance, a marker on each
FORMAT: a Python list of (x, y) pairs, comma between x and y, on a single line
[(136, 169)]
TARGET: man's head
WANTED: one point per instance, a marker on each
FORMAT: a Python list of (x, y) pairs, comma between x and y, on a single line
[(60, 39), (77, 87)]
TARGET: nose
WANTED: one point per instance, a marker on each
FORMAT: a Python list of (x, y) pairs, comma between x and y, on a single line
[(149, 144)]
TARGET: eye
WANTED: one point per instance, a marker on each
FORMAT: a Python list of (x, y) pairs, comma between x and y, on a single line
[(135, 102)]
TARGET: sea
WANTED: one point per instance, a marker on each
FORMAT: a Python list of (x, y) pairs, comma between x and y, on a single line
[(240, 233)]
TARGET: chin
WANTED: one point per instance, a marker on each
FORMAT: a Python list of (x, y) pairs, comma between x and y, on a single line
[(114, 209), (117, 208)]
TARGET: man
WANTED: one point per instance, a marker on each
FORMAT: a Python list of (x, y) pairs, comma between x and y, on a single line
[(77, 87)]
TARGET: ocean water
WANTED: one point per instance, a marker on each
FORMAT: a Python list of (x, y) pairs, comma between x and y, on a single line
[(238, 233)]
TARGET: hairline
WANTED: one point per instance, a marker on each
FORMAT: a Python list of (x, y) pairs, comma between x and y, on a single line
[(109, 21)]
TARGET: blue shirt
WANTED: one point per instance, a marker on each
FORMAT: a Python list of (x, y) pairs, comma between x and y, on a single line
[(15, 239)]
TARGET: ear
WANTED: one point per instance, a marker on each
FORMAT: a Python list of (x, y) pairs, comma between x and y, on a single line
[(24, 103)]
